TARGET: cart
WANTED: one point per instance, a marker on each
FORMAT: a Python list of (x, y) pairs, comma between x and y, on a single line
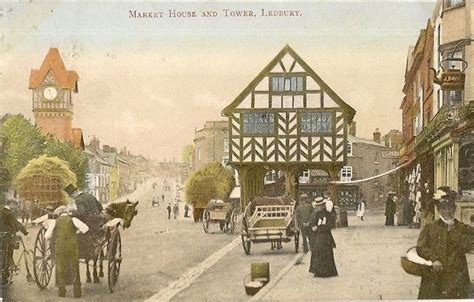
[(43, 253), (219, 212), (269, 219)]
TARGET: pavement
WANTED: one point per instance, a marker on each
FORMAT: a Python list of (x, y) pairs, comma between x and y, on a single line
[(367, 257)]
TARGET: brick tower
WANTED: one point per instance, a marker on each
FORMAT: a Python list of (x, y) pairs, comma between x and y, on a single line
[(53, 87)]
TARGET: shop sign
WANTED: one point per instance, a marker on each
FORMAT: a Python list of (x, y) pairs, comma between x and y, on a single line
[(452, 79)]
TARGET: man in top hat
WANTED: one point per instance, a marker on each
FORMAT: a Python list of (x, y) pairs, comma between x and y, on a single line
[(86, 203), (8, 225), (445, 242)]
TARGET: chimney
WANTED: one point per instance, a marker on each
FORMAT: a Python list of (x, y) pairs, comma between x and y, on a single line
[(352, 128), (95, 143), (377, 135)]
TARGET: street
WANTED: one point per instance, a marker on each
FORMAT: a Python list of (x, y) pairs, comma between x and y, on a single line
[(173, 260)]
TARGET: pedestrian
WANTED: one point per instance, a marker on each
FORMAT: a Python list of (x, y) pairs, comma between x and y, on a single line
[(390, 209), (168, 208), (322, 255), (445, 242), (176, 210), (186, 211), (303, 213), (66, 251), (427, 205), (10, 226), (361, 208), (153, 202)]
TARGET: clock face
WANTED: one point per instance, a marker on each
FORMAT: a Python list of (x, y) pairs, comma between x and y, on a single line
[(50, 93)]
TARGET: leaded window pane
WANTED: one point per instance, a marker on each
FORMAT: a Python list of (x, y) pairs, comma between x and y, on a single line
[(258, 123), (316, 122), (281, 83)]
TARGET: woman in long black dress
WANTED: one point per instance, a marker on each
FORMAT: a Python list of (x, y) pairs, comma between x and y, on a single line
[(322, 256)]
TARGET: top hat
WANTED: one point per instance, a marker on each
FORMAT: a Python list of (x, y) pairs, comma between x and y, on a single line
[(70, 189)]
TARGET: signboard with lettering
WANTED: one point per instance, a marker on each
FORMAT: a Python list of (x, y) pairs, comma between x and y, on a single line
[(452, 79)]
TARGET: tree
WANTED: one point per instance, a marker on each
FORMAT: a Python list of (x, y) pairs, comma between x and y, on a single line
[(44, 179), (212, 181), (187, 153), (75, 158), (22, 142)]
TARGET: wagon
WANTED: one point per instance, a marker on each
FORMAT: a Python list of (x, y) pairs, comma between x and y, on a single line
[(269, 219), (110, 247), (219, 212)]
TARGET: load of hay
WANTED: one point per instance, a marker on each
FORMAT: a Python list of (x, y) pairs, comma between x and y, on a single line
[(43, 180)]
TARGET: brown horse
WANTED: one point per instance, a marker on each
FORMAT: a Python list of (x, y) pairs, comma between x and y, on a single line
[(93, 243)]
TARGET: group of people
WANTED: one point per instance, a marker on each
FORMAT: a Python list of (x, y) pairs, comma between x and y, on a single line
[(175, 209), (315, 220)]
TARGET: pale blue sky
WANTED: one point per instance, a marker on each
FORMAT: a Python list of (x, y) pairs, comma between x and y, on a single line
[(161, 78)]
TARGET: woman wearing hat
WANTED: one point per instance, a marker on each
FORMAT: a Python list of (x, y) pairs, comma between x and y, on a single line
[(445, 242), (322, 256)]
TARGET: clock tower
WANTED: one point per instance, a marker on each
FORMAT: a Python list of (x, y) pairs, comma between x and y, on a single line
[(53, 88)]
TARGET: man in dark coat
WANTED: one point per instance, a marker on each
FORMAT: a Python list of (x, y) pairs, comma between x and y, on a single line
[(390, 209), (303, 213), (445, 242), (8, 225), (86, 203)]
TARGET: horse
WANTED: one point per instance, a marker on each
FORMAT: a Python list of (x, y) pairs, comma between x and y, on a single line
[(92, 243)]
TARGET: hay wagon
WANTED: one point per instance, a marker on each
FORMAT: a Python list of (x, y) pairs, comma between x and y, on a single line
[(269, 219), (219, 212)]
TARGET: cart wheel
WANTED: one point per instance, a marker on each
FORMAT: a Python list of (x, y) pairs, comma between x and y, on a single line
[(114, 255), (246, 245), (297, 241), (233, 217), (205, 220), (42, 260)]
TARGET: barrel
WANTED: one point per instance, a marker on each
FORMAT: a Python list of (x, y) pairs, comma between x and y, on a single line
[(260, 271)]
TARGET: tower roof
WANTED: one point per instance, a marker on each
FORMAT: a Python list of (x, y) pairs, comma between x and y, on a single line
[(53, 62)]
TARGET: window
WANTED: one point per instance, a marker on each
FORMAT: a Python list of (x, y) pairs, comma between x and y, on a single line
[(453, 3), (346, 173), (199, 153), (304, 178), (316, 122), (349, 148), (270, 177), (226, 145), (287, 83), (440, 99), (258, 123), (453, 97)]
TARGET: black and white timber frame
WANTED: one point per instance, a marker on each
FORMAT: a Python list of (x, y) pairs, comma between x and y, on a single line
[(286, 119)]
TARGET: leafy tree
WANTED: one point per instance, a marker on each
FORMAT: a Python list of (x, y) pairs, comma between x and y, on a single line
[(187, 153), (43, 169), (212, 181), (75, 158), (22, 142)]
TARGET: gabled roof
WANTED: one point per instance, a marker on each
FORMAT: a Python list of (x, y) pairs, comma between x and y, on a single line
[(53, 62), (77, 138), (358, 140), (288, 50)]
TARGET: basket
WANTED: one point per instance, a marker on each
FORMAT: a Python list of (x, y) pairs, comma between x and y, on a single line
[(414, 268)]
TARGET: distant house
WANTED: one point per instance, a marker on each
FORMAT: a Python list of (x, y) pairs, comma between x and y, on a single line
[(98, 172)]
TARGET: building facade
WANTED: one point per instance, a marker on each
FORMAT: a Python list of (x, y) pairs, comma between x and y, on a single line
[(287, 119), (444, 140), (211, 143), (365, 158), (98, 173)]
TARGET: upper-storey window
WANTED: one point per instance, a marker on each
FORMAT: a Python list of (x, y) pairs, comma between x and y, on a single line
[(453, 3), (258, 123), (316, 122), (281, 83)]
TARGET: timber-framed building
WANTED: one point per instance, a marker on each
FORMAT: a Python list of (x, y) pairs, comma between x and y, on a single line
[(286, 119)]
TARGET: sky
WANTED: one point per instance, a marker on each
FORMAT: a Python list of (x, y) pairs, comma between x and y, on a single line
[(149, 83)]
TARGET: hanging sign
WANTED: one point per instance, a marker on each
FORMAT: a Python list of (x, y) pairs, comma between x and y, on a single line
[(452, 79)]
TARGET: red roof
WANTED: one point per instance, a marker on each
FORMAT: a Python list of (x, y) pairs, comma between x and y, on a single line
[(66, 78), (77, 138)]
